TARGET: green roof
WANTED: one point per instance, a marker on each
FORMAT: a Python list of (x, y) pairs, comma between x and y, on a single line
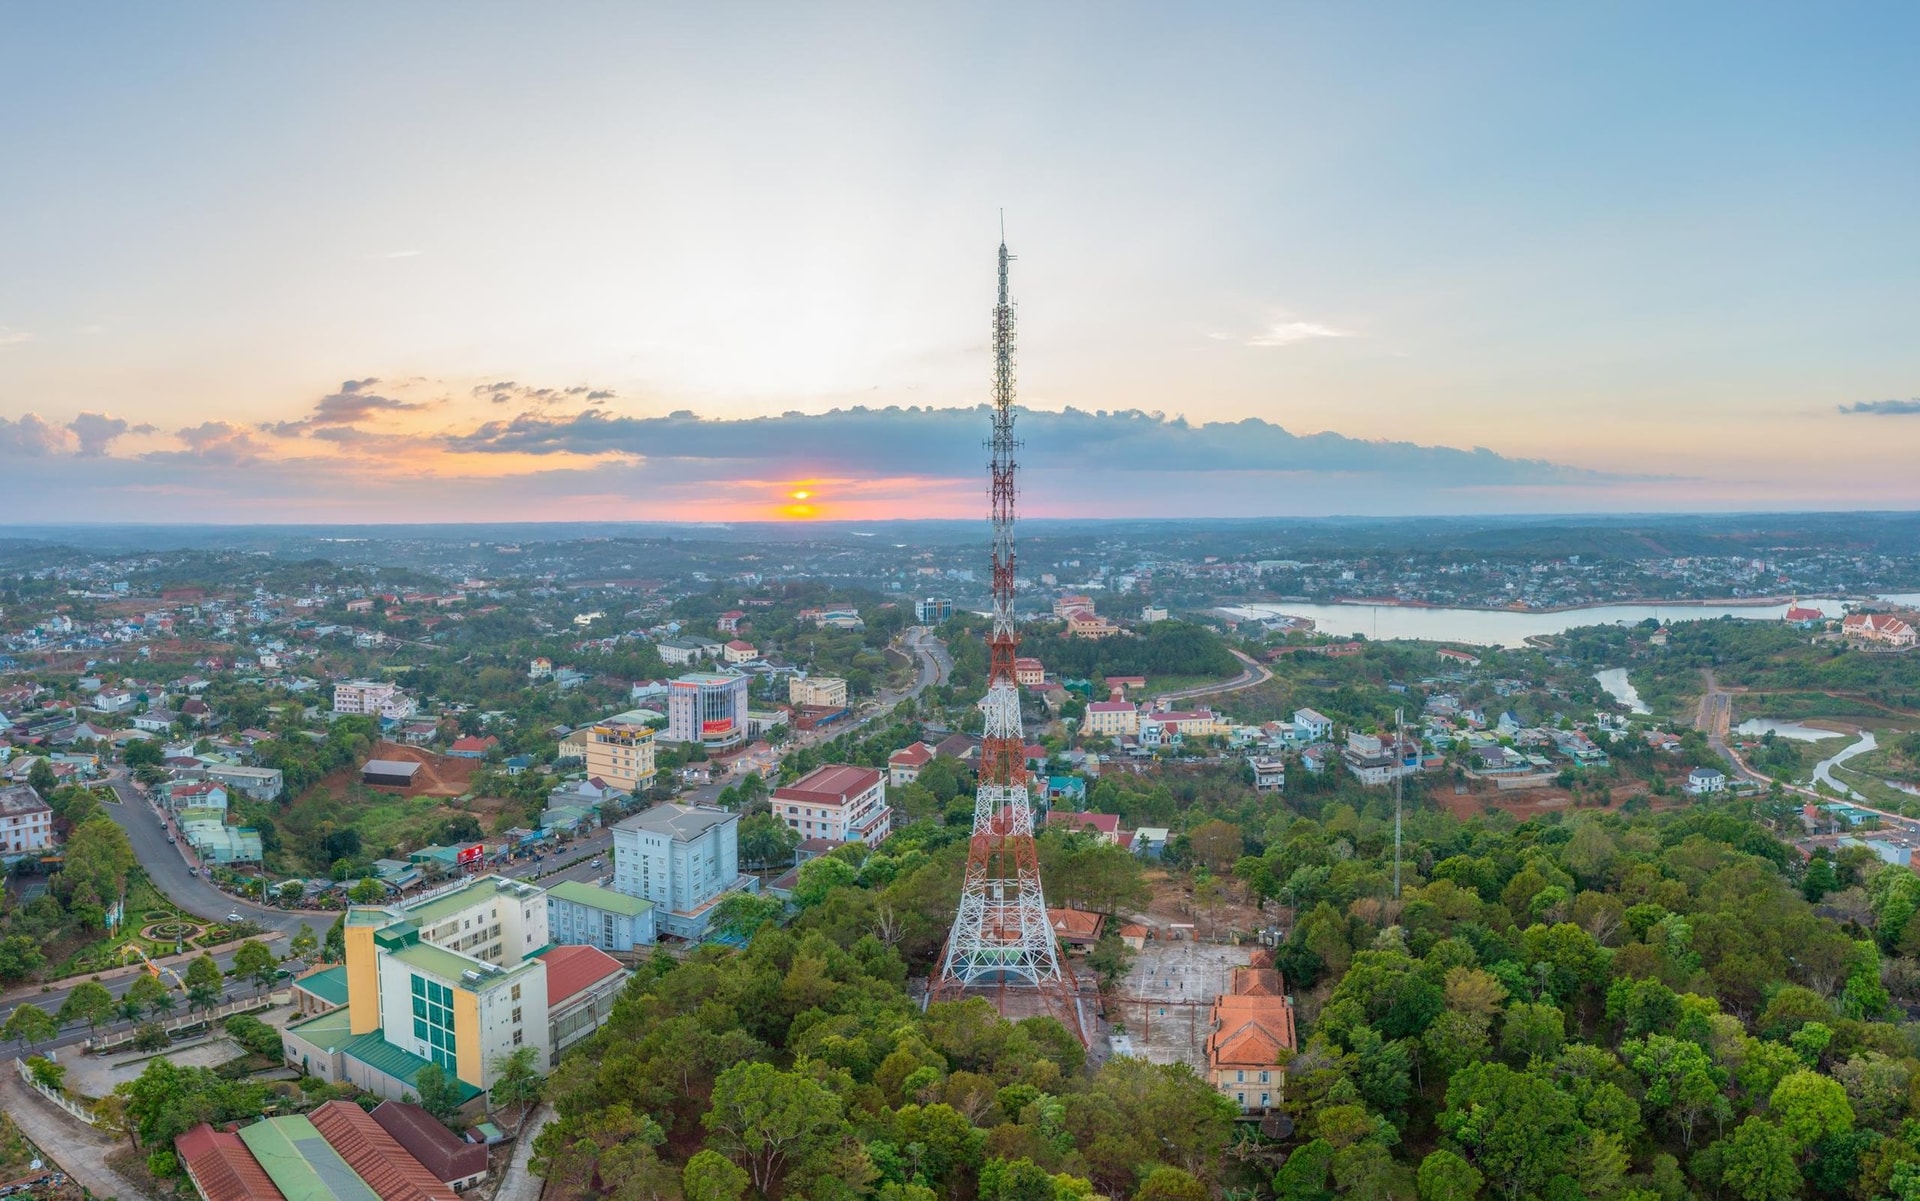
[(332, 1029), (595, 897), (447, 965), (302, 1164), (427, 913), (329, 985), (373, 1049)]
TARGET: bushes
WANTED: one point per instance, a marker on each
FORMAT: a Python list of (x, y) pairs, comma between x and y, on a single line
[(255, 1035)]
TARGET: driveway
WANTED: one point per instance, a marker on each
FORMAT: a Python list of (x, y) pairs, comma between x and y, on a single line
[(79, 1149)]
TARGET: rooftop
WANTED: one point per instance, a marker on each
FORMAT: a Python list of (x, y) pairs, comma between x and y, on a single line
[(223, 1168), (301, 1163), (481, 888), (676, 821), (573, 970), (389, 1168), (328, 983), (595, 897), (830, 783), (441, 1151)]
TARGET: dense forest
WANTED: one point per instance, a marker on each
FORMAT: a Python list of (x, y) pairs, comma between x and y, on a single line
[(1640, 1007)]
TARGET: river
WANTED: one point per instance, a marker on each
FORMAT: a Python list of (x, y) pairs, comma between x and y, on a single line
[(1504, 627), (1618, 686), (1823, 770), (1799, 732)]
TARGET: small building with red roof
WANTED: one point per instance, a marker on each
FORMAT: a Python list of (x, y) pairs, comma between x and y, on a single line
[(457, 1163), (903, 766), (837, 801), (582, 984), (221, 1167), (376, 1156)]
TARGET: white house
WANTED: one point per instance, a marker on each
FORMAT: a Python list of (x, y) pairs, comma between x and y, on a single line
[(1310, 726), (1703, 780)]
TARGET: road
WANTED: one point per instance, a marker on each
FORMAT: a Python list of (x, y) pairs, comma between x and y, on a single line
[(1256, 673)]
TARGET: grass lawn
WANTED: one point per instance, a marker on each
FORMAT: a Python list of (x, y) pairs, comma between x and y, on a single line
[(145, 905)]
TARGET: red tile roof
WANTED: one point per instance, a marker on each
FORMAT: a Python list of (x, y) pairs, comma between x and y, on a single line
[(571, 970), (388, 1168), (917, 755), (831, 784), (1076, 924), (471, 743), (222, 1168), (1102, 823), (441, 1151)]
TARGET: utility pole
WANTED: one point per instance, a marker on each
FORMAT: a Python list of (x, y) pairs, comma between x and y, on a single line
[(1399, 794)]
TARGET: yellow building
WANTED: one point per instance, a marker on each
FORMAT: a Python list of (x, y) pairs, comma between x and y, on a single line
[(621, 754), (826, 691)]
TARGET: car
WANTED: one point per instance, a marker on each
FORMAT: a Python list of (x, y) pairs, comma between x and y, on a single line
[(598, 863), (233, 917), (172, 839)]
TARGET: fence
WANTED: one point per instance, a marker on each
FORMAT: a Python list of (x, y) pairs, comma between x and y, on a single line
[(60, 1099), (205, 1017)]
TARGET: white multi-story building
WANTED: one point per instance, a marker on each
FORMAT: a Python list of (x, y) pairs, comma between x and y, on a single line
[(839, 802), (26, 821), (1310, 726), (370, 698), (682, 858), (709, 708), (825, 691)]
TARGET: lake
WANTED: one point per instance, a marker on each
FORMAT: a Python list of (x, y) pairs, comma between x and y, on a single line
[(1756, 726), (1614, 680), (1503, 627)]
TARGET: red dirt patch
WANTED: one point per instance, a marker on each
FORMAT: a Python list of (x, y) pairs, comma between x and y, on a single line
[(440, 775)]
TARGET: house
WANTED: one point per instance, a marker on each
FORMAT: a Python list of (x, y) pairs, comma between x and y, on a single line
[(1704, 780), (837, 801), (376, 1156), (113, 700), (678, 652), (418, 733), (684, 859), (1248, 1029), (1659, 637), (389, 773), (540, 668), (1311, 726), (729, 622), (737, 652), (1126, 683), (258, 783), (964, 747), (472, 747), (1376, 759), (1111, 719), (1803, 617), (1076, 929), (588, 915), (1103, 826), (26, 821), (903, 766), (301, 1163), (1029, 673), (1449, 655), (1149, 842), (1083, 623), (1660, 740), (221, 1168), (368, 698), (1315, 758), (155, 721), (582, 984), (1882, 628), (456, 1162), (1269, 772)]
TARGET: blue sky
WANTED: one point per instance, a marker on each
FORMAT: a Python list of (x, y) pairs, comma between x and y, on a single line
[(1659, 247)]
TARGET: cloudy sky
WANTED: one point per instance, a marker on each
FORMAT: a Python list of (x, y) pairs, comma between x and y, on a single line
[(439, 261)]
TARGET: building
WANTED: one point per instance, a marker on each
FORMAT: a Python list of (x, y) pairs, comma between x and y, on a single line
[(903, 766), (155, 721), (1067, 605), (1111, 719), (1703, 780), (1029, 673), (621, 753), (1375, 759), (829, 692), (302, 1165), (471, 747), (259, 783), (453, 978), (370, 698), (1882, 628), (376, 1156), (582, 985), (1269, 772), (678, 652), (322, 990), (26, 821), (580, 914), (838, 802), (737, 652), (1085, 623), (1311, 726), (932, 610), (389, 773), (729, 622), (454, 1161), (1103, 826), (1176, 725), (1076, 929), (1249, 1028), (221, 1168), (683, 859), (709, 708)]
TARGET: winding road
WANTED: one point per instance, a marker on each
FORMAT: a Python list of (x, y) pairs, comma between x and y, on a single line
[(1256, 673)]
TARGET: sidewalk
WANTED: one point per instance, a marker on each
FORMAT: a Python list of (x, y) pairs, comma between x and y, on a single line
[(518, 1183)]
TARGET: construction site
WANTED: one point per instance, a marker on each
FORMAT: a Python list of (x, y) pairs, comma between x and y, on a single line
[(1162, 1010)]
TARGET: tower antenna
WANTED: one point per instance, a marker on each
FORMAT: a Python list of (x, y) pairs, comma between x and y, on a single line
[(1001, 943)]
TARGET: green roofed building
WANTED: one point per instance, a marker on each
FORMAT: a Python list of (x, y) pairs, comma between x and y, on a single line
[(586, 915), (302, 1164)]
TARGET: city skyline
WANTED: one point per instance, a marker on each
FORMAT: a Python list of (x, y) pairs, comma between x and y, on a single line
[(374, 265)]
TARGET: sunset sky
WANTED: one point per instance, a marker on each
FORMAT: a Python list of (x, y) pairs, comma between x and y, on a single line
[(431, 261)]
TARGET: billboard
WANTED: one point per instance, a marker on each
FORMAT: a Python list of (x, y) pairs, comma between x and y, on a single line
[(469, 854), (709, 729)]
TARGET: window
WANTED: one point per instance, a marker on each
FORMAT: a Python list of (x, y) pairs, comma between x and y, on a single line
[(433, 1020), (516, 1038), (516, 992), (516, 1015), (1239, 1077)]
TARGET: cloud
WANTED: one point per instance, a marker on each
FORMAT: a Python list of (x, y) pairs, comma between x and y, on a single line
[(351, 404), (1288, 333), (31, 436), (399, 254), (1885, 408), (97, 432), (13, 337), (217, 442)]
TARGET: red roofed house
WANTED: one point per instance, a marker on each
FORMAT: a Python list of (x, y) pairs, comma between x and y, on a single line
[(1249, 1029), (903, 766), (1454, 656), (222, 1168), (376, 1156), (1083, 623), (471, 747), (1800, 615), (1076, 928), (582, 983), (455, 1161), (1113, 719), (1029, 673), (729, 622), (1883, 628), (737, 651), (1126, 682), (837, 801), (1104, 826)]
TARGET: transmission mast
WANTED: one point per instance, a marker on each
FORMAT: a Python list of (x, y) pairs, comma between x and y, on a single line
[(1002, 944)]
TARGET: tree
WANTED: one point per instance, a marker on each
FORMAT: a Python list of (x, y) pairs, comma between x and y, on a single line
[(1517, 1127), (304, 942), (42, 779), (765, 840), (516, 1079), (205, 983), (438, 1092), (98, 855), (143, 995), (818, 877), (1810, 1107), (367, 891), (28, 1023), (253, 960), (1217, 844), (711, 1176), (770, 1118), (20, 957), (1444, 1176), (46, 1073), (1170, 1184), (143, 752), (1756, 1162), (1110, 959), (740, 913), (89, 1002)]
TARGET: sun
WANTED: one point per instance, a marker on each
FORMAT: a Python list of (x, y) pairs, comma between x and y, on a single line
[(800, 494)]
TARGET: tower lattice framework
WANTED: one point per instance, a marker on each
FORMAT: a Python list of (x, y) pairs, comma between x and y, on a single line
[(1001, 943)]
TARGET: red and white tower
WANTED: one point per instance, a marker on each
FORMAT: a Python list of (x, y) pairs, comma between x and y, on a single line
[(1002, 945)]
